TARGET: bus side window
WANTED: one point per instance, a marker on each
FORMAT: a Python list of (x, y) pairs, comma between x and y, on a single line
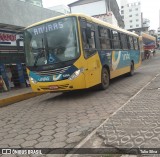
[(88, 42), (85, 43), (124, 41), (92, 43), (116, 40), (131, 42), (88, 37), (136, 43), (104, 38)]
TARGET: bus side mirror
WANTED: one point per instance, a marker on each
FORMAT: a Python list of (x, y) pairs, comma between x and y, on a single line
[(88, 33)]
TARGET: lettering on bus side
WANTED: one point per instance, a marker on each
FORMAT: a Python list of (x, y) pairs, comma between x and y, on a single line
[(126, 56), (44, 79), (48, 28)]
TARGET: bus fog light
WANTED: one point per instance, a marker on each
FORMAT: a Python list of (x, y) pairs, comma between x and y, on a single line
[(76, 74), (33, 80)]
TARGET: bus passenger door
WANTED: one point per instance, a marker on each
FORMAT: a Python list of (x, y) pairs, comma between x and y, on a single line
[(93, 70)]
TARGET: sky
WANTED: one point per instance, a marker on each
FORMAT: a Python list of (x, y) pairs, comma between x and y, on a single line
[(150, 9)]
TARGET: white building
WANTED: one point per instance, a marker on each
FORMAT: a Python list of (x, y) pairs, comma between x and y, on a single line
[(106, 10), (146, 23), (131, 14), (108, 17), (61, 9)]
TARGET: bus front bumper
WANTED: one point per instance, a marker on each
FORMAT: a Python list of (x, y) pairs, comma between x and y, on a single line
[(63, 85)]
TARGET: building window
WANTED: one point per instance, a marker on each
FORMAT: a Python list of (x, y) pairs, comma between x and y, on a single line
[(131, 26), (122, 17), (137, 25), (122, 7), (136, 9), (130, 15), (130, 10), (137, 14), (130, 21), (122, 11), (137, 20)]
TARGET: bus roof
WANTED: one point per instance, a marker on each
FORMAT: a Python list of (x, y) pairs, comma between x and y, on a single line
[(88, 18)]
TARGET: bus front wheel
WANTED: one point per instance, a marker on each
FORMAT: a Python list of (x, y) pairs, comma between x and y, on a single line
[(104, 79)]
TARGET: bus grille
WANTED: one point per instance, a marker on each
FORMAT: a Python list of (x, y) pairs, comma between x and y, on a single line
[(52, 72)]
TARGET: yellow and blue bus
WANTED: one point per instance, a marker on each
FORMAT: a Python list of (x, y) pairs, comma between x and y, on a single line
[(77, 51)]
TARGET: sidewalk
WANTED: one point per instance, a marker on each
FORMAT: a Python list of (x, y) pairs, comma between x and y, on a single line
[(134, 125), (16, 95), (14, 92), (137, 124)]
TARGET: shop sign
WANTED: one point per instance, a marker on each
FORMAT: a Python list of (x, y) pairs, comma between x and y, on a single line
[(9, 39)]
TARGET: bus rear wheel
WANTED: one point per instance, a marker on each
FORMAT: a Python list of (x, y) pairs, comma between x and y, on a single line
[(131, 73), (104, 79)]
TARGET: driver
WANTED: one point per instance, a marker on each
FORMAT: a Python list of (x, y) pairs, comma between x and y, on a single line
[(60, 53)]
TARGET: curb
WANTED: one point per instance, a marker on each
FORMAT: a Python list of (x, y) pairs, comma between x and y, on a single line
[(18, 98)]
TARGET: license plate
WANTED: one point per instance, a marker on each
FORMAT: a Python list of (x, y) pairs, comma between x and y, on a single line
[(53, 87)]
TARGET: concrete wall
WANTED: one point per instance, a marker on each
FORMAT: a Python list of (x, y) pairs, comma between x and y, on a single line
[(61, 9), (116, 11), (18, 13)]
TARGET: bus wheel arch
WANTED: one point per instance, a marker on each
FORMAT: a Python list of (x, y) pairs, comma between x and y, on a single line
[(105, 78)]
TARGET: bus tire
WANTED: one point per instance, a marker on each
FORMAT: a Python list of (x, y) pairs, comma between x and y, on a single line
[(131, 73), (105, 79)]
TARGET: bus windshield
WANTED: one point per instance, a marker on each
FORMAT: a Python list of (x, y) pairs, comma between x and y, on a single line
[(52, 42)]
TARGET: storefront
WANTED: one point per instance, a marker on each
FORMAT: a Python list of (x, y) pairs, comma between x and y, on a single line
[(12, 59), (12, 23)]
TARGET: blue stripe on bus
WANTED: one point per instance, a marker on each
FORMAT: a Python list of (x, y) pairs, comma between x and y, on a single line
[(57, 77), (118, 59)]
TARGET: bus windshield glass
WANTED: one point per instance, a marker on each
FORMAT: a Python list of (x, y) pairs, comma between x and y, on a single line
[(52, 42)]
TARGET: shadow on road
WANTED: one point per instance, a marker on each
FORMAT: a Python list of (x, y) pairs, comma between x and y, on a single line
[(85, 93)]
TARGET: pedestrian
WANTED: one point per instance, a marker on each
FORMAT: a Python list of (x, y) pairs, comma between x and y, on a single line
[(147, 54), (154, 52), (2, 84)]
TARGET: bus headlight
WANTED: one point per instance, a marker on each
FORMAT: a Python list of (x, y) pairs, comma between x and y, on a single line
[(33, 80), (76, 74)]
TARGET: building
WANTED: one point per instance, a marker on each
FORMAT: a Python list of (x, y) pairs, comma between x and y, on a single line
[(106, 10), (158, 30), (152, 32), (145, 23), (61, 9), (158, 34), (131, 14), (34, 2), (15, 16)]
